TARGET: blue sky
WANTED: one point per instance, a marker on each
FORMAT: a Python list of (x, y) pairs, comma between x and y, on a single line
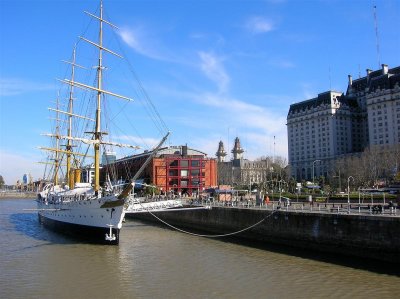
[(214, 69)]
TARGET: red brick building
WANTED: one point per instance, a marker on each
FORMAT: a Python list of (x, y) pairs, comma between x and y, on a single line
[(175, 168)]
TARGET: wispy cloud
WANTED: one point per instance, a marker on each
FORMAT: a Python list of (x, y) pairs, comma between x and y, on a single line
[(244, 114), (218, 101), (257, 25), (213, 68), (308, 91), (143, 142), (16, 86), (225, 111), (256, 124), (138, 38)]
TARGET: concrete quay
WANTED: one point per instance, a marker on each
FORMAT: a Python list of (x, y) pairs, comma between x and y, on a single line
[(357, 233), (15, 195)]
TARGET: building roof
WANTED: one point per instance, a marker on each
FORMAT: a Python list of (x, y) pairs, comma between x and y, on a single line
[(384, 78), (180, 150), (323, 98), (376, 79)]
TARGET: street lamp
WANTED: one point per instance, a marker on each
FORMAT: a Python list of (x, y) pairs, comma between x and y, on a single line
[(313, 164), (340, 184), (348, 193)]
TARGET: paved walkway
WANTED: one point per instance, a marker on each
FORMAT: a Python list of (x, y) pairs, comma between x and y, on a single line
[(329, 208)]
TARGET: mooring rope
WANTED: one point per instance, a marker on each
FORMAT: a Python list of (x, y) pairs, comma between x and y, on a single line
[(210, 236)]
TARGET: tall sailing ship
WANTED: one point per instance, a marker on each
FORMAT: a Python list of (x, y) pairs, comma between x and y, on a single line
[(86, 210)]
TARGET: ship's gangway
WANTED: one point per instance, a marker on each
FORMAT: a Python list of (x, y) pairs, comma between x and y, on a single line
[(153, 206)]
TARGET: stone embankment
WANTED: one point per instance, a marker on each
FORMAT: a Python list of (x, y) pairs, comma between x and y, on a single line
[(12, 195), (368, 236)]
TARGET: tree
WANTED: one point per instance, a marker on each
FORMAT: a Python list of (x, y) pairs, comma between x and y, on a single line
[(1, 181), (374, 166)]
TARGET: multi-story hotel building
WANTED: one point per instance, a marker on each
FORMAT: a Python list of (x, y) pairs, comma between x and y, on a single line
[(335, 124)]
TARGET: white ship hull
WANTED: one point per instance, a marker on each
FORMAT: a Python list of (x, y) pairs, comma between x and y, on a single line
[(89, 220)]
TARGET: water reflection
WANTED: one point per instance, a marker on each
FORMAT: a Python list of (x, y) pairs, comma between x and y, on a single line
[(29, 225), (339, 259)]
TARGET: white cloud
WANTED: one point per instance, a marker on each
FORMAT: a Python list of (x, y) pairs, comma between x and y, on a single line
[(138, 39), (15, 86), (227, 102), (257, 25), (213, 68), (261, 144), (253, 120), (129, 37), (241, 116), (145, 143), (308, 91), (208, 144)]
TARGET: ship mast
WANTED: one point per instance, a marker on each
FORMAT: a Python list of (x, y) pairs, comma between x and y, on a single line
[(96, 141), (70, 106), (97, 133), (56, 159)]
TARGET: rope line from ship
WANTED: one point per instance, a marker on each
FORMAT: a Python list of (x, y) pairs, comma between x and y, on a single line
[(206, 235)]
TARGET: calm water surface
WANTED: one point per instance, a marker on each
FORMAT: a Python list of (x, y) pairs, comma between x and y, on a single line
[(154, 262)]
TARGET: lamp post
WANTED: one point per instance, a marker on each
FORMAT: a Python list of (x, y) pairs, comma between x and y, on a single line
[(348, 193), (313, 164), (340, 184)]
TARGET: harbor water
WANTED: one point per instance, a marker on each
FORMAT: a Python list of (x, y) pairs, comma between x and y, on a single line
[(157, 262)]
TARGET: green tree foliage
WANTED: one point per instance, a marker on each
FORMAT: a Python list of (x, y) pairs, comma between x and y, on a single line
[(1, 181), (150, 190)]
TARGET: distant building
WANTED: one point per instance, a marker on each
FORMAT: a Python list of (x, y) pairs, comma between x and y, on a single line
[(87, 174), (240, 171), (237, 150), (335, 124), (174, 168), (221, 152), (25, 179), (108, 158)]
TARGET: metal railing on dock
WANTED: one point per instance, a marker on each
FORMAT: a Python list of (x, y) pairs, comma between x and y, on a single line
[(329, 208)]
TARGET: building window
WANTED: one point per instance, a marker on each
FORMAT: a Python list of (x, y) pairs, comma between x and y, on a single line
[(173, 182), (195, 163), (184, 183), (195, 172), (173, 172)]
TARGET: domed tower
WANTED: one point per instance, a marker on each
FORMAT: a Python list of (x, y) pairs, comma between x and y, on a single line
[(221, 152), (237, 150)]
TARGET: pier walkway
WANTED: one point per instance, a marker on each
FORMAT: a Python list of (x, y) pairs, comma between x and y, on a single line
[(376, 209)]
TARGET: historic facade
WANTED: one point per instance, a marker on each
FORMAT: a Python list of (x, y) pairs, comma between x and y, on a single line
[(335, 124), (240, 171)]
